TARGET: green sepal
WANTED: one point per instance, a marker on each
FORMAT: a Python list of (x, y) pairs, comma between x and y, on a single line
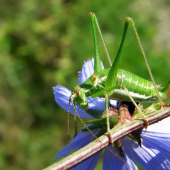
[(100, 133), (119, 147), (136, 136), (165, 92), (154, 107)]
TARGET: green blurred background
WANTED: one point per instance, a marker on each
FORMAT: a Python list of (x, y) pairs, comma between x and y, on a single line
[(44, 44)]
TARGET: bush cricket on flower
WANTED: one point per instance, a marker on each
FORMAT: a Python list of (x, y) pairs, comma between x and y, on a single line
[(116, 83)]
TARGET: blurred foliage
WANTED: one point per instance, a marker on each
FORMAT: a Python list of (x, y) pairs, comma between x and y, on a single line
[(43, 44)]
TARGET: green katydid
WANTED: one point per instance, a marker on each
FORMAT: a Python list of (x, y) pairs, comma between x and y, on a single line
[(117, 83)]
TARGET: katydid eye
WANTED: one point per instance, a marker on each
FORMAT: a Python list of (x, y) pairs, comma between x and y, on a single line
[(78, 93)]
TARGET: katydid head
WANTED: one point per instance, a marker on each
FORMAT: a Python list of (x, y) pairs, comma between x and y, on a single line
[(79, 97)]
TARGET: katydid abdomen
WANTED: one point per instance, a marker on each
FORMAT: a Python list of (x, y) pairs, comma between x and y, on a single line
[(140, 89)]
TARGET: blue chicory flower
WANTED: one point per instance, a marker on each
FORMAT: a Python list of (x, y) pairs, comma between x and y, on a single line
[(155, 150)]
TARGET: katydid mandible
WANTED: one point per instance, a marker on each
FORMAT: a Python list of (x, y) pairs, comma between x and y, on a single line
[(114, 82)]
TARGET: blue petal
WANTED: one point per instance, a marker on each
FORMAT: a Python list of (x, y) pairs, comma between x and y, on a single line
[(156, 135), (97, 103), (111, 161), (162, 145), (86, 71), (62, 98), (148, 156), (90, 163), (80, 140)]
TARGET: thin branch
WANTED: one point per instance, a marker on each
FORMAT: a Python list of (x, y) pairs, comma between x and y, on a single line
[(103, 141)]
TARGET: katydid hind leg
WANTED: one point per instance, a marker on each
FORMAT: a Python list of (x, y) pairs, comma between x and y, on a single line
[(112, 75), (97, 62), (100, 33), (146, 62)]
